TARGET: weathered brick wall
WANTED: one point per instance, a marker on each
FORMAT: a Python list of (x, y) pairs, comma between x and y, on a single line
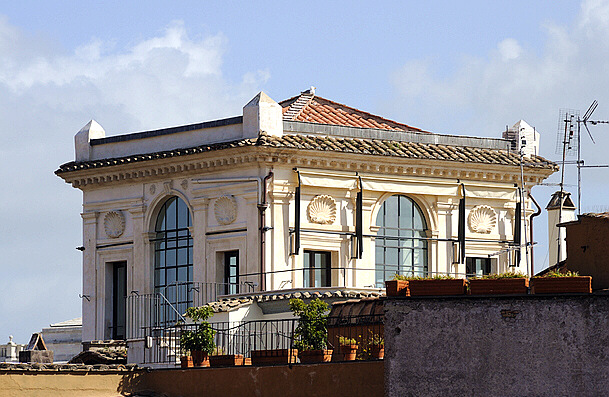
[(497, 346)]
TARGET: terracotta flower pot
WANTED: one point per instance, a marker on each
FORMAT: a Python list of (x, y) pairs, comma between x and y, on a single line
[(377, 351), (200, 359), (348, 352), (498, 286), (186, 361), (397, 288), (436, 287), (274, 356), (315, 356), (561, 285), (227, 360)]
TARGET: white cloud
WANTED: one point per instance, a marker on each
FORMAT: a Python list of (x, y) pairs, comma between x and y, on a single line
[(509, 49), (484, 94), (46, 95)]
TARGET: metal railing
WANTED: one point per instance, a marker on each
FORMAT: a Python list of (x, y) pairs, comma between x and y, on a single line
[(166, 306), (242, 338)]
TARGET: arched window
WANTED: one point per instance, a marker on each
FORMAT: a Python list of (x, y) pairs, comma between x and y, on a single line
[(400, 244), (173, 256)]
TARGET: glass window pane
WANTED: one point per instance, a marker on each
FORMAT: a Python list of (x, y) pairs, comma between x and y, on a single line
[(182, 274), (171, 276), (171, 214), (391, 212), (183, 217), (170, 257), (183, 257)]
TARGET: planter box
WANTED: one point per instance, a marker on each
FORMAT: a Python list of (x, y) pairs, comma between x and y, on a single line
[(347, 352), (228, 360), (274, 356), (397, 288), (437, 287), (200, 359), (501, 286), (315, 356), (186, 362), (561, 285)]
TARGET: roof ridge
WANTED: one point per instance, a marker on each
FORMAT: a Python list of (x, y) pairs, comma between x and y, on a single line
[(298, 105)]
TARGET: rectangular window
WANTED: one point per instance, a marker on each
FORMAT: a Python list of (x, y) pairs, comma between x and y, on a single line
[(119, 300), (477, 266), (231, 272), (317, 269)]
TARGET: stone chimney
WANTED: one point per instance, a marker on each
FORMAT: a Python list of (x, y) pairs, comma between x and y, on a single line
[(522, 134), (556, 215), (82, 140), (262, 114)]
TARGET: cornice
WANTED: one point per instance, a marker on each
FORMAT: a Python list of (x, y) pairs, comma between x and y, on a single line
[(208, 162)]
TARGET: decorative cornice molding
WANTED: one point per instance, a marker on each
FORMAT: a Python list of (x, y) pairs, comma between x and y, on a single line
[(158, 170)]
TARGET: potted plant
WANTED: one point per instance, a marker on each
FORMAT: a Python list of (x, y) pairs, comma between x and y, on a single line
[(185, 346), (436, 285), (348, 348), (376, 345), (499, 284), (199, 341), (311, 333), (398, 286), (556, 282)]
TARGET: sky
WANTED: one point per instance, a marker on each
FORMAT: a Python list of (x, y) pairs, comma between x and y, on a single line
[(467, 68)]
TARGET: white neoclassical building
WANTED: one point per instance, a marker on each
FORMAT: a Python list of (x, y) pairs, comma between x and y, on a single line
[(303, 194)]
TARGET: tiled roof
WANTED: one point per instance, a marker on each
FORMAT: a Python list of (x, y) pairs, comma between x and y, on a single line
[(600, 215), (374, 147), (314, 109), (229, 303)]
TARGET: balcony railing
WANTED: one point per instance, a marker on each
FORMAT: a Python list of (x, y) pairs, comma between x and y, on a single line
[(247, 336), (166, 306)]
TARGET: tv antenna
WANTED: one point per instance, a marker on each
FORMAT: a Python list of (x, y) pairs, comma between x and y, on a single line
[(569, 142), (569, 134)]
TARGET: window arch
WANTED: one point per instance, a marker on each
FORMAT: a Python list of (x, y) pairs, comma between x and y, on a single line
[(401, 246), (173, 255)]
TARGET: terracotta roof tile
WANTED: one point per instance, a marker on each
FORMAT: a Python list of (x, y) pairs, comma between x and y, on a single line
[(373, 147), (315, 109)]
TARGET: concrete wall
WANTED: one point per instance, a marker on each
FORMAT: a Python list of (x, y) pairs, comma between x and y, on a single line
[(497, 346), (341, 379), (588, 250)]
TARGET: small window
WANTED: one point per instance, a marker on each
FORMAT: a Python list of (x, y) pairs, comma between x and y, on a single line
[(317, 269), (477, 266), (231, 272)]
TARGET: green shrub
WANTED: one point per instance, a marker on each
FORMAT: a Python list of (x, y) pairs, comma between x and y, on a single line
[(498, 276), (410, 278), (201, 338), (344, 341), (311, 332), (557, 274)]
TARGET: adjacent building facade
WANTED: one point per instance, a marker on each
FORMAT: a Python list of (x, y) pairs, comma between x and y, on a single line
[(305, 194)]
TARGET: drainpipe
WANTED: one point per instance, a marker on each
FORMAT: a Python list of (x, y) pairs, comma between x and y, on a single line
[(537, 213), (262, 206)]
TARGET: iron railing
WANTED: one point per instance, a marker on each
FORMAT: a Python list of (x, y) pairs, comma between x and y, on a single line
[(233, 338), (166, 306)]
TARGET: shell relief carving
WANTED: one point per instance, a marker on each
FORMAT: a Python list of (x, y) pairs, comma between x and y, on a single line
[(322, 210), (482, 219), (114, 224), (225, 210)]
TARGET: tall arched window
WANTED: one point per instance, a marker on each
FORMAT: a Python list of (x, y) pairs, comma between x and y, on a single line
[(400, 244), (173, 256)]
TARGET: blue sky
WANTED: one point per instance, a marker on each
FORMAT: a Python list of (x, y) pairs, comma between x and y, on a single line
[(448, 67)]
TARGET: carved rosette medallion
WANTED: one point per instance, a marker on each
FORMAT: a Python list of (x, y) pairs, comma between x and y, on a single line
[(114, 224), (322, 210), (482, 219), (225, 210)]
